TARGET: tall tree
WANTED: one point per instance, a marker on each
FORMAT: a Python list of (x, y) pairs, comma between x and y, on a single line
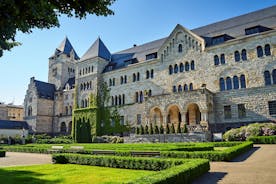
[(24, 15)]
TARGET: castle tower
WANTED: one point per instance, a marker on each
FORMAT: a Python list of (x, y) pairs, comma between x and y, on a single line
[(62, 64)]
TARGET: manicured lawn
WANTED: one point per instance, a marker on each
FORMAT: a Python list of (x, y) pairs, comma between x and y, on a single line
[(68, 173)]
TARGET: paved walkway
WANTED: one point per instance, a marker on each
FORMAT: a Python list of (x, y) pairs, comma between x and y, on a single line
[(19, 159), (255, 167)]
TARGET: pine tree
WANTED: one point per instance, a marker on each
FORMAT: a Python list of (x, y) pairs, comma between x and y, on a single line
[(167, 129), (178, 128)]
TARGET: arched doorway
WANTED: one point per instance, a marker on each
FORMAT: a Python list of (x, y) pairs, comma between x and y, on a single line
[(193, 115), (174, 115), (63, 127), (70, 127), (156, 116)]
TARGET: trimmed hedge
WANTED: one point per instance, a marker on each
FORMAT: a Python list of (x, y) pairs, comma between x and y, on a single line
[(181, 174), (54, 141), (2, 153), (263, 139), (225, 155), (154, 164)]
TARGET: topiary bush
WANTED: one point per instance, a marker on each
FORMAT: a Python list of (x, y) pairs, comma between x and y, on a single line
[(167, 129), (263, 139), (142, 131), (172, 129), (2, 153), (137, 130), (156, 130), (161, 129), (146, 129)]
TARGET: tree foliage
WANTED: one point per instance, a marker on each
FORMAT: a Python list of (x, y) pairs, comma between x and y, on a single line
[(25, 15)]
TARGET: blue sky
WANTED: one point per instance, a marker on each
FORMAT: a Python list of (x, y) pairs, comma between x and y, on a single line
[(134, 22)]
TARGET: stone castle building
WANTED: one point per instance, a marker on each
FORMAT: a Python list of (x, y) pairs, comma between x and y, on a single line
[(213, 77)]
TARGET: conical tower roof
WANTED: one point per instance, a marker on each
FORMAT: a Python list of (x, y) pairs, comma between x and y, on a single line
[(66, 47), (98, 49)]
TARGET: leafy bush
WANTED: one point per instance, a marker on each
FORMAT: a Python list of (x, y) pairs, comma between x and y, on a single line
[(185, 129), (172, 129), (263, 139), (150, 129), (167, 129), (244, 132), (54, 141), (117, 162), (178, 130), (137, 130), (161, 129), (146, 129), (142, 131), (2, 153), (42, 136), (156, 130)]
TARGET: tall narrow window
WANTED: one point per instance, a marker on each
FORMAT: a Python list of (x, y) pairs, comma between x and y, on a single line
[(191, 86), (147, 74), (120, 100), (187, 66), (125, 79), (113, 81), (227, 112), (116, 100), (138, 76), (228, 83), (180, 48), (222, 59), (139, 119), (260, 51), (221, 84), (175, 68), (274, 76), (110, 82), (152, 73), (267, 50), (244, 55), (192, 65), (241, 111), (150, 93), (123, 101), (185, 87), (267, 78), (170, 69), (134, 77), (181, 67), (236, 82), (216, 60), (179, 88), (112, 100), (122, 80), (272, 107), (243, 83), (141, 97), (136, 97), (174, 89), (237, 56)]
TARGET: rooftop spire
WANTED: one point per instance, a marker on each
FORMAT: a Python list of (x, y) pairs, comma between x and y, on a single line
[(66, 47)]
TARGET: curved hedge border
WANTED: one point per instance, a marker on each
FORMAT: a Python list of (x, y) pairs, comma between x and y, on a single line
[(263, 139), (177, 171), (2, 153)]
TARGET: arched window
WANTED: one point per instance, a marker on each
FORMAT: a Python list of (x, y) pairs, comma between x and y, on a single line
[(180, 48), (222, 59), (221, 84), (181, 67), (267, 78), (237, 56), (185, 87), (267, 50), (92, 68), (63, 127), (187, 66), (116, 100), (244, 55), (192, 65), (150, 93), (242, 80), (125, 79), (134, 77), (179, 88), (84, 86), (274, 76), (120, 100), (71, 110), (123, 101), (174, 89), (170, 69), (136, 97), (89, 69), (82, 103), (85, 70), (90, 84), (113, 81), (191, 86), (81, 87), (216, 60), (147, 74), (30, 111), (112, 100), (236, 82), (80, 73), (228, 83), (66, 110), (110, 82), (85, 103), (138, 76), (122, 80), (260, 51), (151, 73), (141, 97), (175, 68)]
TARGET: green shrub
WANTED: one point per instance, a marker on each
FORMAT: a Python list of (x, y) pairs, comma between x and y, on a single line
[(156, 129), (140, 163), (146, 129), (167, 129), (150, 129), (178, 130), (263, 139), (185, 129), (137, 130), (54, 141), (161, 129), (142, 131), (2, 153), (42, 136), (172, 129)]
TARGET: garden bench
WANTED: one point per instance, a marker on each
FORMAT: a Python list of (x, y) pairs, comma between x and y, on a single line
[(103, 152), (55, 149), (146, 154), (75, 149)]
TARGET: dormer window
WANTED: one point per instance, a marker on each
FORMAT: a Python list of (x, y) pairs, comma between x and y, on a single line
[(151, 56), (256, 29), (109, 68), (220, 39)]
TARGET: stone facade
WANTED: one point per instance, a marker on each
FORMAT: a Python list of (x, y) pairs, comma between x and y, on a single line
[(11, 112), (211, 77)]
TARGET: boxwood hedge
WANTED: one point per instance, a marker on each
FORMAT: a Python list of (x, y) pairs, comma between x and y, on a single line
[(2, 153), (263, 139)]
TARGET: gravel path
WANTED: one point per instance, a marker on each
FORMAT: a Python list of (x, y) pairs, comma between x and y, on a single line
[(19, 159), (255, 167)]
